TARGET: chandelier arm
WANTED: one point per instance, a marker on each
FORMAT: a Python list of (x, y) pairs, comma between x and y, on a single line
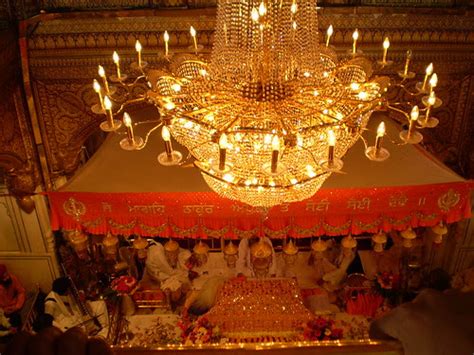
[(135, 81), (185, 160), (406, 90), (129, 102), (151, 131), (390, 107), (146, 122)]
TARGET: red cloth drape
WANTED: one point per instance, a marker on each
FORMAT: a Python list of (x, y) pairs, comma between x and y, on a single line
[(206, 215)]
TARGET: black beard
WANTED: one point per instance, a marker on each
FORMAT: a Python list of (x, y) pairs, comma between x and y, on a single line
[(6, 283)]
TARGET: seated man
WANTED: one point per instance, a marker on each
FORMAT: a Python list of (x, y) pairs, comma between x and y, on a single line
[(67, 314), (433, 323), (257, 259), (165, 266), (12, 296), (207, 275)]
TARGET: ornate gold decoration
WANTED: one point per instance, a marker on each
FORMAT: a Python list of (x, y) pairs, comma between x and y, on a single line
[(319, 245), (230, 249), (260, 249), (171, 245), (349, 242), (290, 248), (201, 248), (74, 208), (408, 236), (448, 200)]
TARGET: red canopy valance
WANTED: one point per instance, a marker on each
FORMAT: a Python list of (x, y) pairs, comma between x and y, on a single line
[(206, 215)]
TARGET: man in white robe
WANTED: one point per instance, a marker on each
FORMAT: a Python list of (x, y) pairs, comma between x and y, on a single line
[(166, 265), (66, 313)]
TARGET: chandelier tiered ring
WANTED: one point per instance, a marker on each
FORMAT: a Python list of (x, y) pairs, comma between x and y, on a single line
[(270, 115)]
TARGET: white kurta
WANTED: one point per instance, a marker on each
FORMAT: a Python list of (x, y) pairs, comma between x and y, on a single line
[(158, 268), (69, 316)]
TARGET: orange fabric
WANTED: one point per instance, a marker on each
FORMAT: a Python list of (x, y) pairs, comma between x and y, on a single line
[(13, 297), (207, 215)]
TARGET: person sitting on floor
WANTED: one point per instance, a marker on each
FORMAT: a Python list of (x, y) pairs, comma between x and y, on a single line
[(66, 313), (165, 267), (12, 296), (208, 275)]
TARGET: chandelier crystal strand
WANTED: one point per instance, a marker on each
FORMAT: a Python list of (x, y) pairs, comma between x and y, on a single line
[(257, 116), (267, 77)]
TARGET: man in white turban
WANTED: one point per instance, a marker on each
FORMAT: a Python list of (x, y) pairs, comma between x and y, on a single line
[(166, 265)]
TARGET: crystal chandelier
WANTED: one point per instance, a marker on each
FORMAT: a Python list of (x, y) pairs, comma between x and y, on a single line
[(272, 112)]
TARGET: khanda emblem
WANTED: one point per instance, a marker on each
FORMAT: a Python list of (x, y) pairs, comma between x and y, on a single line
[(74, 208), (448, 200)]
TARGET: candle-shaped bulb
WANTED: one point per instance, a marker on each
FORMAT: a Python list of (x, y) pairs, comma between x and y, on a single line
[(355, 35), (165, 134), (254, 14), (193, 35), (108, 111), (276, 143), (96, 86), (433, 80), (429, 69), (378, 139), (381, 129), (262, 9), (331, 138), (386, 44), (294, 25), (98, 90), (329, 33), (166, 37), (428, 72), (415, 111), (107, 103), (138, 46), (222, 151), (407, 62), (294, 8), (101, 71), (115, 57), (275, 153), (223, 141), (127, 121), (431, 98), (331, 142)]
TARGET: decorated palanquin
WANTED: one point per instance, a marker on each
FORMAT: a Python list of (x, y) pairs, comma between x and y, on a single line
[(253, 309)]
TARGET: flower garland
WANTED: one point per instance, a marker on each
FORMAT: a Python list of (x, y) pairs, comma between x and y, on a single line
[(200, 331), (124, 285), (321, 329)]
